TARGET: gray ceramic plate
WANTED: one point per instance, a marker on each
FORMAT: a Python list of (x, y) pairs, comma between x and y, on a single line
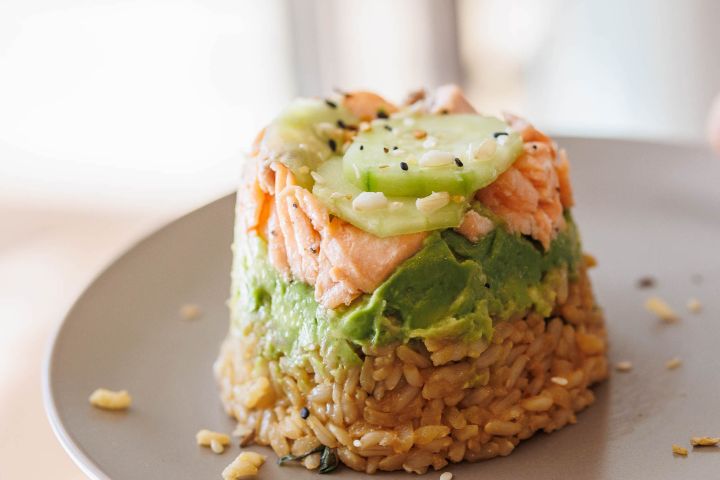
[(644, 209)]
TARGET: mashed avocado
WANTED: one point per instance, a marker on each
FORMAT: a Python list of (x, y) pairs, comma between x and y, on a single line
[(451, 289)]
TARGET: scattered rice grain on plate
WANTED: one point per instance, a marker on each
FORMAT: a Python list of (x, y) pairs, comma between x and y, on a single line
[(673, 363), (624, 366), (245, 465), (562, 381), (190, 311), (678, 450), (589, 260), (704, 441), (206, 438), (110, 400), (216, 446), (659, 307), (694, 305)]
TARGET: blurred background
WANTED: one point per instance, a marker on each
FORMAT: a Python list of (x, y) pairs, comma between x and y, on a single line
[(116, 116)]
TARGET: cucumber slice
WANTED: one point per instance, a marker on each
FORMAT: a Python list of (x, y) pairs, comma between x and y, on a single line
[(399, 216), (439, 153), (303, 135)]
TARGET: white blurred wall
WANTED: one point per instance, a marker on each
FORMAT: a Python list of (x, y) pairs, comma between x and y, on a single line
[(140, 105), (645, 68)]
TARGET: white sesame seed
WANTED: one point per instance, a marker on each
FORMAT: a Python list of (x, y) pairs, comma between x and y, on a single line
[(408, 122), (624, 366), (436, 158), (370, 201), (446, 476), (397, 153), (432, 202), (357, 444), (484, 151), (317, 177), (502, 139), (429, 142)]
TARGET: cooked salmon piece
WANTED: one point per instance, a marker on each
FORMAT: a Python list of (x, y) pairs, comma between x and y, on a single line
[(530, 196), (367, 105), (308, 244), (449, 99), (475, 226)]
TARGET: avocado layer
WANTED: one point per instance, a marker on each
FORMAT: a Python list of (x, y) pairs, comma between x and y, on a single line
[(451, 289)]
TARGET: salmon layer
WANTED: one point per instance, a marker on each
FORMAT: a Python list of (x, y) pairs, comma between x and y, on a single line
[(341, 261)]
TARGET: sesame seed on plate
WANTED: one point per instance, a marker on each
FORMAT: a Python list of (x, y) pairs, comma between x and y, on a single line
[(624, 366), (694, 305), (190, 311), (673, 363), (660, 308), (404, 166)]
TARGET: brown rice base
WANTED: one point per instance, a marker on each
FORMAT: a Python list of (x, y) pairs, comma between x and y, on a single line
[(424, 404)]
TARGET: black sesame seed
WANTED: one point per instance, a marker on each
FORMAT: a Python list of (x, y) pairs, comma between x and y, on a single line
[(294, 205), (313, 250), (362, 147), (332, 144), (304, 412), (341, 124), (458, 162), (382, 113), (444, 111), (500, 134), (395, 148), (388, 128), (404, 166), (331, 104), (385, 149)]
